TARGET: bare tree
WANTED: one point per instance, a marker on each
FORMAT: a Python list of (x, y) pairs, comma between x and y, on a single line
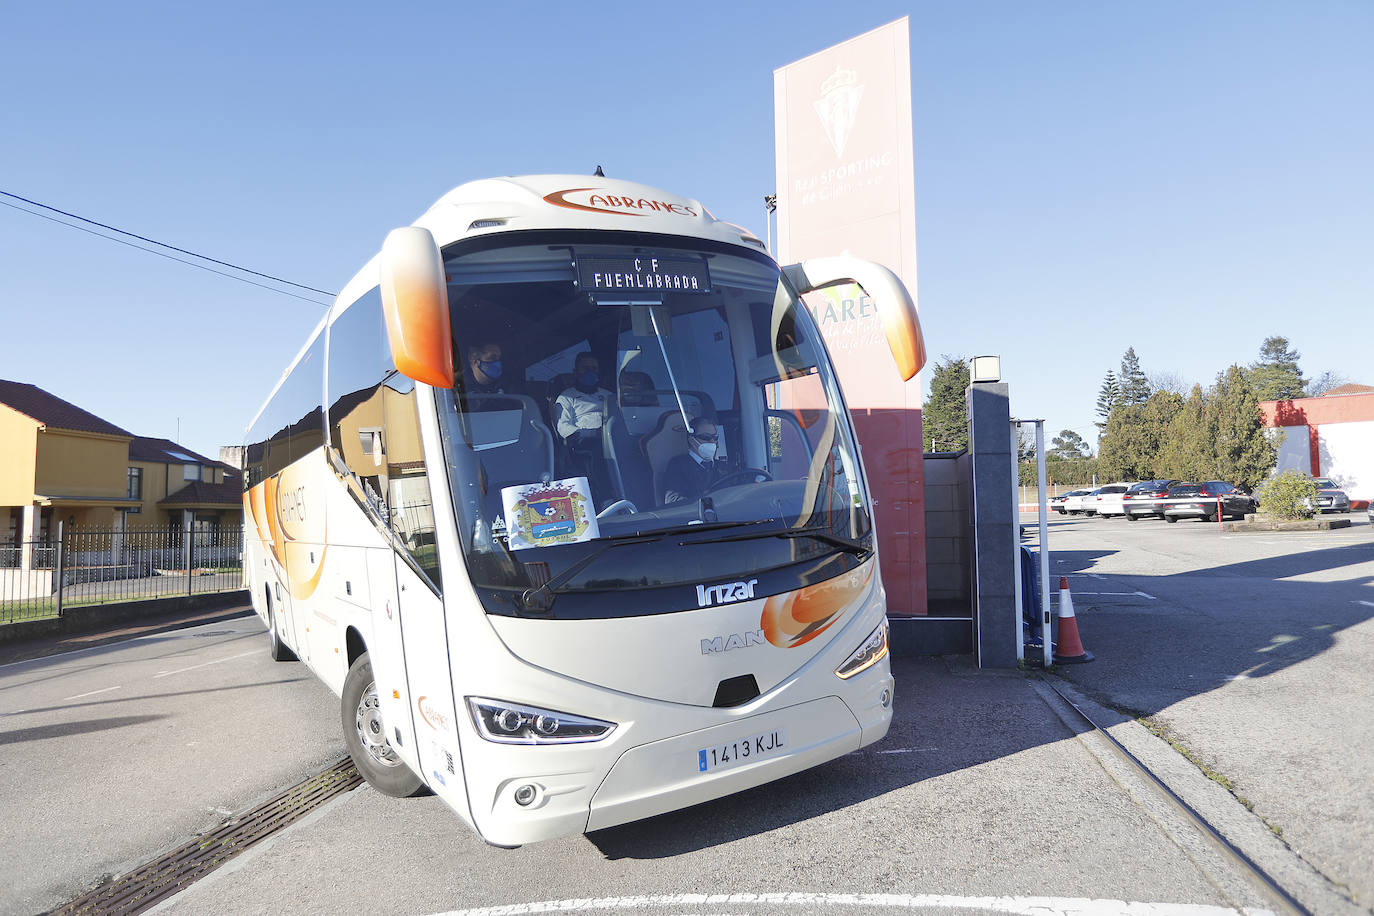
[(1164, 380), (1325, 382)]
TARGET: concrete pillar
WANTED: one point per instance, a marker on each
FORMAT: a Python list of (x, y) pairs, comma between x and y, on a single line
[(28, 531), (995, 615)]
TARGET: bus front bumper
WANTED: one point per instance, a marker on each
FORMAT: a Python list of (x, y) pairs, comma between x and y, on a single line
[(679, 771)]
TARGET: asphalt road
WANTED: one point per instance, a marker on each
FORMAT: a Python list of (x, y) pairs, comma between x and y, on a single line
[(110, 755), (983, 797), (1254, 651), (979, 793)]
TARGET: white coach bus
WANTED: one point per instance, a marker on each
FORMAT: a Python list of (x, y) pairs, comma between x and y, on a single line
[(482, 506)]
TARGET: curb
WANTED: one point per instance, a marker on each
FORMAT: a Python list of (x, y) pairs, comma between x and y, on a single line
[(1314, 524), (1220, 809), (100, 625)]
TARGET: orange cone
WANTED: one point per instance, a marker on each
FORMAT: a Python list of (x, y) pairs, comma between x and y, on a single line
[(1069, 650)]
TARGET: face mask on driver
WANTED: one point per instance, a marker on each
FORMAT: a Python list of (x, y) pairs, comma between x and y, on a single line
[(706, 451), (490, 368), (586, 380)]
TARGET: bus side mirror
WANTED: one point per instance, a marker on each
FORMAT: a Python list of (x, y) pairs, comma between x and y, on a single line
[(895, 308), (415, 303)]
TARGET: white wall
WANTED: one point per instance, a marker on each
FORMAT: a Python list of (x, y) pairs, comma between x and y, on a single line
[(1295, 452), (1347, 456)]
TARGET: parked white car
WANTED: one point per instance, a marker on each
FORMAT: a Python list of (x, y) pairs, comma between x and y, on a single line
[(1070, 503), (1106, 500)]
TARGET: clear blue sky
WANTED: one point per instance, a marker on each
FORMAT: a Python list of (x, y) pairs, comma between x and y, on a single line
[(1185, 178)]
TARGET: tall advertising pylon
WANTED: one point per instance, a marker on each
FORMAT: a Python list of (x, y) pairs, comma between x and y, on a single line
[(846, 184)]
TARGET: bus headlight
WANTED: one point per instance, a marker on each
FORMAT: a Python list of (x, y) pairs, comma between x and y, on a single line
[(512, 723), (868, 654)]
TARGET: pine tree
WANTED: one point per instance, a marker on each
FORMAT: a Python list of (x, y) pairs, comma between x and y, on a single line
[(1157, 417), (1134, 442), (1275, 376), (1244, 452), (1189, 451), (1067, 446), (1135, 386), (1108, 397), (945, 419), (1118, 453)]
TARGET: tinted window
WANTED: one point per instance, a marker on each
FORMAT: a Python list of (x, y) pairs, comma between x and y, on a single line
[(409, 504), (358, 361), (291, 425)]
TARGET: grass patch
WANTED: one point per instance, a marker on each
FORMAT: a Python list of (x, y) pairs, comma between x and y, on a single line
[(1163, 732)]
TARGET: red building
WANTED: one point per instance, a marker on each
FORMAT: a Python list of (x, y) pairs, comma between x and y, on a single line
[(1330, 436)]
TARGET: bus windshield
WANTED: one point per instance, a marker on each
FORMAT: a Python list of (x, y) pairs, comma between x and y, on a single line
[(637, 419)]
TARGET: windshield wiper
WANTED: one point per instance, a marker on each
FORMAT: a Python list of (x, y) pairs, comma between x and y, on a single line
[(848, 545), (692, 527)]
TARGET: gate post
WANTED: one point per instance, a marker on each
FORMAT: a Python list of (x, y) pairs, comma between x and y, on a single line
[(186, 546), (61, 563), (996, 630)]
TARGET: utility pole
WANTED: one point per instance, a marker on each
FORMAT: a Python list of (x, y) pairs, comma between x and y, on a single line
[(770, 206)]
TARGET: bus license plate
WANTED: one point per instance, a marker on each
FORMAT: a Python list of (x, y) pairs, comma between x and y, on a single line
[(741, 751)]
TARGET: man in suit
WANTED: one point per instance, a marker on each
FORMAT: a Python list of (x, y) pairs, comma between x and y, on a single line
[(688, 476)]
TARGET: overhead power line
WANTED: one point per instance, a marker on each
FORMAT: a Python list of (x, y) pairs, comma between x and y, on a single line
[(142, 238)]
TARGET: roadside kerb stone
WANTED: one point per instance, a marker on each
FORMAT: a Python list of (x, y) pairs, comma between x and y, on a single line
[(1212, 802), (1256, 523)]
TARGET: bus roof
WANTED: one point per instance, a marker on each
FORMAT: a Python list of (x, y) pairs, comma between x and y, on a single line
[(495, 205)]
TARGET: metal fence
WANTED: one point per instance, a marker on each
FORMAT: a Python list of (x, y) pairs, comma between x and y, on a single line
[(83, 566)]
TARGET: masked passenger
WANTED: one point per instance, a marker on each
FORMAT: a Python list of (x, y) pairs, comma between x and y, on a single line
[(583, 409), (482, 372)]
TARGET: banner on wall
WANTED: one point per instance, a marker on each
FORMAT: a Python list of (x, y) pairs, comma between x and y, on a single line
[(846, 185)]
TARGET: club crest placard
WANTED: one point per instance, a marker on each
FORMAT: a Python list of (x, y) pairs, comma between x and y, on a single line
[(545, 514)]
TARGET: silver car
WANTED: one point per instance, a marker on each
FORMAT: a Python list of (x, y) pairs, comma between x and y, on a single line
[(1330, 498)]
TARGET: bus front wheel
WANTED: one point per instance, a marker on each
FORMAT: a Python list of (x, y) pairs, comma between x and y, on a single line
[(365, 735), (281, 652)]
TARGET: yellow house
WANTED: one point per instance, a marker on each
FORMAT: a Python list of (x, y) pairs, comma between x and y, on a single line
[(58, 463), (169, 481)]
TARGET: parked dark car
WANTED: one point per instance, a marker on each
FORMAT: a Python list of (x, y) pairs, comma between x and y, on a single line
[(1206, 501), (1145, 498)]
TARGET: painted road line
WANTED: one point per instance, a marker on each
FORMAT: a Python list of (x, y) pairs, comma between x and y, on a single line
[(80, 696), (907, 750), (203, 664), (1366, 603), (1030, 906)]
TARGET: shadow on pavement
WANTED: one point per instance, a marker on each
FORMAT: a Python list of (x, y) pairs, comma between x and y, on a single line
[(67, 729), (948, 717), (1208, 627)]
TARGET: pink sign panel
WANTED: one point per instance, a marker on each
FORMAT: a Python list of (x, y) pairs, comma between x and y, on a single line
[(846, 185)]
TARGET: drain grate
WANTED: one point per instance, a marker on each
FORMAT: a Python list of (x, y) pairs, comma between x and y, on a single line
[(149, 884)]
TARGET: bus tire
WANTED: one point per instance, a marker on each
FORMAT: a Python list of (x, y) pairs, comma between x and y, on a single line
[(366, 738), (281, 652)]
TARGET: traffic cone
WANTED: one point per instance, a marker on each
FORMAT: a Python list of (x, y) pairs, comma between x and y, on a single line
[(1069, 650)]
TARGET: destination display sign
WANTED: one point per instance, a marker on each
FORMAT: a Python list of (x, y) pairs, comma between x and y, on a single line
[(643, 274)]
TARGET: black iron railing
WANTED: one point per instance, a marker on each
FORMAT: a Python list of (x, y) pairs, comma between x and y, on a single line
[(82, 566)]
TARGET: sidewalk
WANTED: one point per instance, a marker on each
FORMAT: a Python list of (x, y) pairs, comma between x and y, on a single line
[(132, 622)]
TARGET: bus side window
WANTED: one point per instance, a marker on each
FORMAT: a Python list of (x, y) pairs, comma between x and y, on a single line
[(357, 364), (408, 495)]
